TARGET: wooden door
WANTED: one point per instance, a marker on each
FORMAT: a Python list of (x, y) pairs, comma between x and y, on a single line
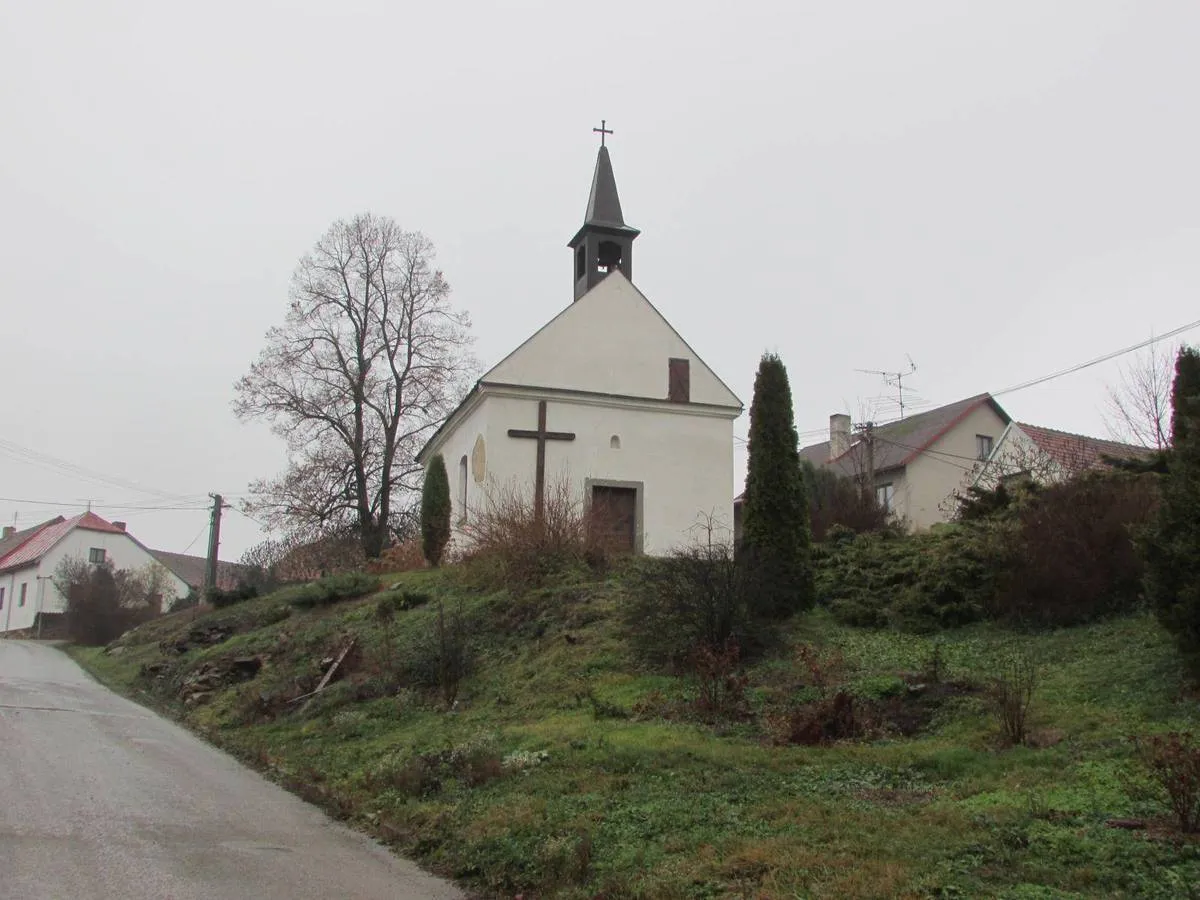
[(614, 517)]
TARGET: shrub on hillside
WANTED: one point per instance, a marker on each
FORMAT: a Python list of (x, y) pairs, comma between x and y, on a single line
[(776, 535), (1072, 557), (221, 599), (1010, 696), (329, 590), (1171, 546), (1173, 761), (938, 579), (435, 511), (512, 547), (405, 556), (438, 655), (688, 600)]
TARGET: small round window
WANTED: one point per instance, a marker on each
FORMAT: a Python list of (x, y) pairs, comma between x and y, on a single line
[(615, 442)]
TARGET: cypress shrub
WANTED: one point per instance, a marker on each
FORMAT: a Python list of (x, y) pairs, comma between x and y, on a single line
[(435, 511), (776, 541), (1172, 544)]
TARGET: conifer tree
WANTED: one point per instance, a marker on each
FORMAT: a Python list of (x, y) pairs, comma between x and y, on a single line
[(775, 546), (435, 511), (1172, 545)]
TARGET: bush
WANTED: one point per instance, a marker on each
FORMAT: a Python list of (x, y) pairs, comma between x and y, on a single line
[(1172, 544), (722, 691), (775, 527), (1072, 557), (688, 600), (439, 656), (1010, 696), (406, 556), (943, 578), (1173, 761), (435, 511), (510, 546), (102, 602), (838, 506), (329, 590), (221, 599)]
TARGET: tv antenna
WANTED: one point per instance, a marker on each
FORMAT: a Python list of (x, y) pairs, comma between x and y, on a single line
[(895, 379)]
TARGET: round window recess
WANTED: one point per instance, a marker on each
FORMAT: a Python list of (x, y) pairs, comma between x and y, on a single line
[(615, 442)]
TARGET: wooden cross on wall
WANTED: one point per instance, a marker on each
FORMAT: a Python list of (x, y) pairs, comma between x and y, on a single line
[(541, 436)]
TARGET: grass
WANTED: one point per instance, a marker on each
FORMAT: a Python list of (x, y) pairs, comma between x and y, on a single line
[(539, 779)]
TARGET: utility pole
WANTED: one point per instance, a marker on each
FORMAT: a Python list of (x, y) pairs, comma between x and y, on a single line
[(214, 543), (868, 432)]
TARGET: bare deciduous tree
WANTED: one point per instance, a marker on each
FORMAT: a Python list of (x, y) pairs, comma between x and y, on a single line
[(370, 359), (1139, 406)]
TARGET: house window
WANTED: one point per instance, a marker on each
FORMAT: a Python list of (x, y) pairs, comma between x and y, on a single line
[(884, 495), (96, 555), (1, 598), (983, 446), (21, 599)]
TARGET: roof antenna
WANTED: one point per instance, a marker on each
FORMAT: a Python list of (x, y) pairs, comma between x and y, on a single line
[(895, 379)]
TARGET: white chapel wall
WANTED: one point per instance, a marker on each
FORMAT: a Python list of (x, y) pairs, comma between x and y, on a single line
[(684, 460)]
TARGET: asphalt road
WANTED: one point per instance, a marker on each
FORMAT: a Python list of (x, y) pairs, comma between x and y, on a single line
[(100, 798)]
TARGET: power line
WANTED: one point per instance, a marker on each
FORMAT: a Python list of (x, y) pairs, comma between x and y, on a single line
[(1174, 332), (113, 506), (1099, 359), (47, 461)]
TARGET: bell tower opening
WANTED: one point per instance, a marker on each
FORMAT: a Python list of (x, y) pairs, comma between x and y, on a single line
[(609, 256)]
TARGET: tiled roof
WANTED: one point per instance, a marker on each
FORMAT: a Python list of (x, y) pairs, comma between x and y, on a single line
[(36, 546), (191, 569), (17, 538), (898, 443), (1076, 451)]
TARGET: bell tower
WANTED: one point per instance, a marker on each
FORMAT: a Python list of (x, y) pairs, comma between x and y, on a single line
[(604, 242)]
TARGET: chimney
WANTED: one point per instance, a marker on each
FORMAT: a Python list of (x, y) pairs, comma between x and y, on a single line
[(120, 526), (839, 435), (9, 531)]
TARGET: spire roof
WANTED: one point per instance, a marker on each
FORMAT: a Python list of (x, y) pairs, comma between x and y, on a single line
[(604, 205)]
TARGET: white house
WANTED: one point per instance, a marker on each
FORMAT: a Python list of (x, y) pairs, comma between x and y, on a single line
[(28, 559), (606, 399)]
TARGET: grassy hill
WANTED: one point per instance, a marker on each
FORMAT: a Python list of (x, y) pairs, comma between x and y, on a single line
[(562, 768)]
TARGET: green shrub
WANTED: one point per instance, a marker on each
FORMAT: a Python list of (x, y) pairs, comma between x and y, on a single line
[(435, 511), (943, 578), (690, 599), (221, 599), (329, 590), (1171, 546), (776, 533), (1071, 556)]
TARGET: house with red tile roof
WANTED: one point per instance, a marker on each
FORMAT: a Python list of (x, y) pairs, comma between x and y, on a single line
[(916, 463), (1047, 455), (28, 559)]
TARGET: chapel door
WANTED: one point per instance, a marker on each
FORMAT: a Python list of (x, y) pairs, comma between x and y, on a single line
[(614, 517)]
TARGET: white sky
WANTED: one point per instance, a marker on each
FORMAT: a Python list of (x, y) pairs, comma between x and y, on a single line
[(997, 190)]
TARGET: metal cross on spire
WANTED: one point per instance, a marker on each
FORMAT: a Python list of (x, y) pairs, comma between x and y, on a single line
[(602, 131)]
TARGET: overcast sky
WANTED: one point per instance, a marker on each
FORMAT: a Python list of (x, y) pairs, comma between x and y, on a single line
[(996, 190)]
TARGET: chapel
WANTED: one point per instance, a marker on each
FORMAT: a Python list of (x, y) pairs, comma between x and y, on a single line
[(605, 401)]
